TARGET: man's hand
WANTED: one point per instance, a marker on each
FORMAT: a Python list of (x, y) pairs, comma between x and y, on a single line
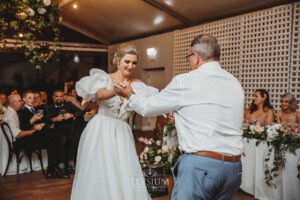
[(68, 116), (121, 90), (36, 117), (38, 127), (58, 118)]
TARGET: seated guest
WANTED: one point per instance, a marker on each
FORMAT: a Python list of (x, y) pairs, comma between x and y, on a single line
[(261, 110), (62, 114), (288, 115), (33, 135), (39, 104), (38, 99), (44, 97), (3, 104), (3, 100), (73, 98)]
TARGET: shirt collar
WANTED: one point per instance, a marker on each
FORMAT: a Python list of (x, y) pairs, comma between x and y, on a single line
[(57, 106), (211, 64), (28, 107)]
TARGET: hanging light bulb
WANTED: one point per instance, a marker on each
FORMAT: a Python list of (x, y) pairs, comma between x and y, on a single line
[(75, 6), (20, 35)]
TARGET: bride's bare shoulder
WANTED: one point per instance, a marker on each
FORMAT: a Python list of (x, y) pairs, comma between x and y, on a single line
[(136, 80)]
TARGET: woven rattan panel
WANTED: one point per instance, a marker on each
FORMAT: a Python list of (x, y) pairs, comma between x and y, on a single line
[(256, 48)]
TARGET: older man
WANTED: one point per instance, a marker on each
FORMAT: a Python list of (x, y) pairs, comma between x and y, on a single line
[(208, 105), (35, 136)]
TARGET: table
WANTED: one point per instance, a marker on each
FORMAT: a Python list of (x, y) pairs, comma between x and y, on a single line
[(24, 165), (287, 183)]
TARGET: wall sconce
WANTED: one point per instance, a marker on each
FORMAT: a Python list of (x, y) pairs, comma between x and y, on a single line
[(151, 52)]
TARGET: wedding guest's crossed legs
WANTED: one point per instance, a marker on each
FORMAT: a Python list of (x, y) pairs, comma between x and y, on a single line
[(198, 177)]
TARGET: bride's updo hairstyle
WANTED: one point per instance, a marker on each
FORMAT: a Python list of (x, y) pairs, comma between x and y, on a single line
[(123, 49)]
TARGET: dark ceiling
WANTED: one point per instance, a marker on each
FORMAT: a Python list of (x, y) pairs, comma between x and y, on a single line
[(114, 21)]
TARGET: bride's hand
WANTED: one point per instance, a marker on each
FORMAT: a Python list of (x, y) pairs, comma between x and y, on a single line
[(121, 90)]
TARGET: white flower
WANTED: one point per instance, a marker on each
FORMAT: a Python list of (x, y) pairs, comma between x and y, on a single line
[(277, 126), (146, 150), (272, 133), (141, 139), (170, 158), (258, 128), (30, 12), (164, 148), (157, 158), (159, 151), (47, 2), (252, 128), (42, 11), (150, 142), (142, 156), (158, 142)]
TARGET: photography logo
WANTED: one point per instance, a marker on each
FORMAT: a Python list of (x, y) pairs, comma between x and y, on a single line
[(149, 172)]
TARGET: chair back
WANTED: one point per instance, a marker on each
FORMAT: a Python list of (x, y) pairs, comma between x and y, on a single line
[(7, 134)]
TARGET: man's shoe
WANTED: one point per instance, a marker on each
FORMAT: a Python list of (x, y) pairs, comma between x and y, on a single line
[(61, 173), (52, 175), (71, 169)]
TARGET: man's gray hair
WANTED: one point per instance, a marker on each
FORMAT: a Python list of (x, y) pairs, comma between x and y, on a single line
[(207, 47)]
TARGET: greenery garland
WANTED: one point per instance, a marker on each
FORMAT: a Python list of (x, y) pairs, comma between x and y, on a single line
[(278, 141), (28, 22)]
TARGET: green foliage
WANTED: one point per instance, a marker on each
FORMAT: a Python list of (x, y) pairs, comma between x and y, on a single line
[(29, 21)]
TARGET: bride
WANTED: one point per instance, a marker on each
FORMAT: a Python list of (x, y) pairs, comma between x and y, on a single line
[(107, 162)]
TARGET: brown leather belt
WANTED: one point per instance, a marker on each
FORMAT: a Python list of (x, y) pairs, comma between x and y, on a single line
[(218, 156)]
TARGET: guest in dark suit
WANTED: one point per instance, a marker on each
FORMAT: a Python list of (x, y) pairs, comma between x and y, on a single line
[(62, 114), (30, 134)]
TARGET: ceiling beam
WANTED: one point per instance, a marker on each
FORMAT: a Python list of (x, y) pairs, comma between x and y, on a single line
[(171, 12)]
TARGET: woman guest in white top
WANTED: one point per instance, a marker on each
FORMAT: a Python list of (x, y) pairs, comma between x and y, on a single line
[(107, 162), (260, 111), (288, 115)]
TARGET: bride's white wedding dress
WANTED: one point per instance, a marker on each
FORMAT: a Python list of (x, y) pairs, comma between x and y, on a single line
[(107, 162)]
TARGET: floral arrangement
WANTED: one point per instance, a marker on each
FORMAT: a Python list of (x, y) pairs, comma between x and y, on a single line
[(28, 21), (155, 153), (279, 141)]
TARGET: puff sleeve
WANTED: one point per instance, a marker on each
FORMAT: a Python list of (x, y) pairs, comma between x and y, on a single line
[(87, 86)]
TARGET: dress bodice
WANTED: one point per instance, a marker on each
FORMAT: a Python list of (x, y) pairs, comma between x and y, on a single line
[(113, 107)]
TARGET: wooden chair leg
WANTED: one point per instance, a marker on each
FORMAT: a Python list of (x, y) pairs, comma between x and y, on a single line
[(41, 160), (18, 165), (10, 154), (29, 155)]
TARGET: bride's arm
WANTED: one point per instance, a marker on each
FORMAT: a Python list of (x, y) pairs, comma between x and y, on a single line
[(104, 94)]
